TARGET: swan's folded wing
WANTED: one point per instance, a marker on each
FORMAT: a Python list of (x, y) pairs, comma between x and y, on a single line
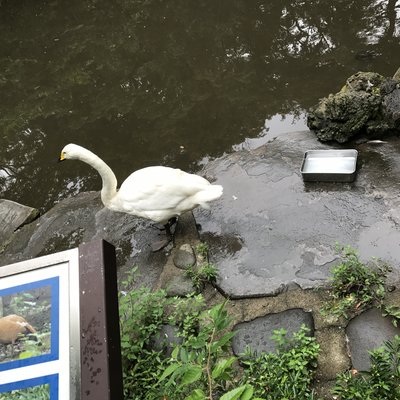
[(158, 188)]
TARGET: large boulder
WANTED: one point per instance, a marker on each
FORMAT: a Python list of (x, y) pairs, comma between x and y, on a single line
[(12, 216), (368, 104), (83, 218)]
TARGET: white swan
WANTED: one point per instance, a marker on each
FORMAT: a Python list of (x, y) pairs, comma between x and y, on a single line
[(156, 193)]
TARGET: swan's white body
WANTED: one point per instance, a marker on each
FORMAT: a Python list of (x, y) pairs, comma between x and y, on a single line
[(155, 193)]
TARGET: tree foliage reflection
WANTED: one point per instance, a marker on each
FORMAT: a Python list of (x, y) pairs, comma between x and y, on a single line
[(135, 80)]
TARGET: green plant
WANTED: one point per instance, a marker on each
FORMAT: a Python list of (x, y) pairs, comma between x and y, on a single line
[(202, 367), (382, 382), (141, 315), (356, 286), (201, 275), (286, 374), (393, 312), (142, 312), (202, 250)]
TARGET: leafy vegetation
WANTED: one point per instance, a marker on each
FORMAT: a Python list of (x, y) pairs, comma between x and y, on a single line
[(357, 286), (392, 311), (201, 275), (142, 313), (202, 367), (203, 272), (202, 250), (382, 382), (287, 373)]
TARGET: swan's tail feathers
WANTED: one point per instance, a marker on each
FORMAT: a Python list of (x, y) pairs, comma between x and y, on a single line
[(210, 193)]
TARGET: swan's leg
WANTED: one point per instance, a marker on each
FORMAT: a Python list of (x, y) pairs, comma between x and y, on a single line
[(159, 245), (170, 223)]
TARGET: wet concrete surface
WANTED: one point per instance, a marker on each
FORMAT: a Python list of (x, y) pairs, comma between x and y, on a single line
[(271, 231)]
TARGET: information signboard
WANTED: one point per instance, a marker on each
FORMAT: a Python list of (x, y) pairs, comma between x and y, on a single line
[(67, 304)]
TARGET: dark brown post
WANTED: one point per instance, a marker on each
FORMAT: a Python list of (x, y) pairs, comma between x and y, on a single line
[(101, 370)]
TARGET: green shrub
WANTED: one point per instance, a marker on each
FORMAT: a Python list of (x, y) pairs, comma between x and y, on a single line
[(382, 382), (142, 312), (141, 315), (356, 286), (202, 367), (206, 273), (286, 374)]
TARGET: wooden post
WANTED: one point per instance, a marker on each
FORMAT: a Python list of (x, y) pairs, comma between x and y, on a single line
[(101, 370)]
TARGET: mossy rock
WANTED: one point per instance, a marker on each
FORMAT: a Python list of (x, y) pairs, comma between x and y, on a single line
[(366, 105)]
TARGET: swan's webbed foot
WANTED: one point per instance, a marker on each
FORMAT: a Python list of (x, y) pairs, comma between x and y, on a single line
[(171, 222), (160, 244), (166, 227)]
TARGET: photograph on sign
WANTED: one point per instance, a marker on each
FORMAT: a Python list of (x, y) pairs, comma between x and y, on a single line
[(42, 388), (29, 326), (39, 328)]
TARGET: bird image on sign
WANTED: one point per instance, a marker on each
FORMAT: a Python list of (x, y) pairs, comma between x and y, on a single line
[(12, 328)]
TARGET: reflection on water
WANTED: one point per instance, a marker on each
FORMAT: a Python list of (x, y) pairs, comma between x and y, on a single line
[(273, 127), (175, 82)]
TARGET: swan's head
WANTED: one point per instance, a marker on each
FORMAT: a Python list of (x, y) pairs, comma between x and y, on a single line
[(72, 152)]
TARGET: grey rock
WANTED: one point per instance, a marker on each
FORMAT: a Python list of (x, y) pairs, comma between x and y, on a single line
[(184, 257), (391, 104), (367, 332), (396, 75), (180, 285), (262, 233), (257, 333), (166, 339), (12, 216), (367, 104), (81, 219)]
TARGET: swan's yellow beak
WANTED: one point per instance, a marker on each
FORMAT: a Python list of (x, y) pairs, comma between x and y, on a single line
[(62, 157)]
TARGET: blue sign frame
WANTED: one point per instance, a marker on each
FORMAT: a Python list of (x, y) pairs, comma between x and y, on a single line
[(51, 380)]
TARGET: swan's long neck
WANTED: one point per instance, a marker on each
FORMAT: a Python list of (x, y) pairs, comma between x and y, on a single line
[(109, 189)]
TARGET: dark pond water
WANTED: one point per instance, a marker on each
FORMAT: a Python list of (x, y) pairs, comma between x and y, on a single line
[(168, 82)]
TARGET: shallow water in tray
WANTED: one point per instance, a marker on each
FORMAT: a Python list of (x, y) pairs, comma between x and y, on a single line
[(329, 165)]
